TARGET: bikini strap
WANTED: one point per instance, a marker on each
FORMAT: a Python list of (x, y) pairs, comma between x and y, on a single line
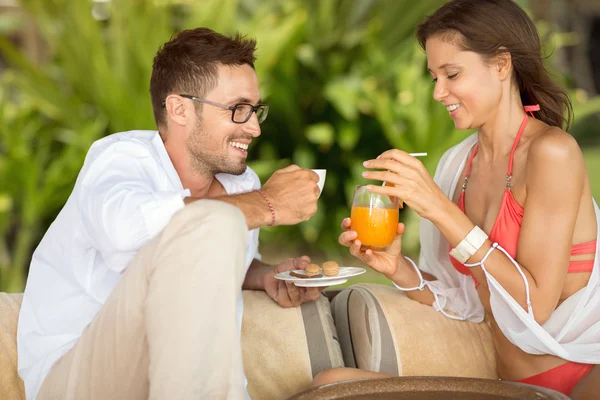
[(531, 109), (468, 171), (528, 110)]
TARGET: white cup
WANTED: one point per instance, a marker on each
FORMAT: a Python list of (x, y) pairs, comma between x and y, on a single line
[(321, 173)]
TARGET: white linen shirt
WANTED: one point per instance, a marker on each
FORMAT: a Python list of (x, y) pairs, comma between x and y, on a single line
[(125, 194)]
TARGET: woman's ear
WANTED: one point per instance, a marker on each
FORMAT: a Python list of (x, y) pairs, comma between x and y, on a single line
[(504, 64)]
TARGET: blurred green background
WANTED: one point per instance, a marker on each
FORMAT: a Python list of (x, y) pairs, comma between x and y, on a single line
[(344, 78)]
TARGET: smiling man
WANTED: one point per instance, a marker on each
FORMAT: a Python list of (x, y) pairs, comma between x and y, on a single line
[(134, 291)]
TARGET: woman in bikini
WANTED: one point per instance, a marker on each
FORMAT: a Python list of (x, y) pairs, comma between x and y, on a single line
[(510, 209)]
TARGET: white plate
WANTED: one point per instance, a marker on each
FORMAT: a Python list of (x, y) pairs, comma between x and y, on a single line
[(342, 276)]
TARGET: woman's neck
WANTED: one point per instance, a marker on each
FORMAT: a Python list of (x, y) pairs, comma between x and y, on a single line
[(497, 135)]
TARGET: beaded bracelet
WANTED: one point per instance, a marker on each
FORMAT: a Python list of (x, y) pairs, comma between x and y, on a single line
[(270, 208)]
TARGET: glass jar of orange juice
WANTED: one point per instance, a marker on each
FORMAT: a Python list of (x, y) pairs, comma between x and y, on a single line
[(374, 217)]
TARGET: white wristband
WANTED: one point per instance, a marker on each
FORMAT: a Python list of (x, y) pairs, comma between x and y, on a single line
[(421, 280), (469, 245)]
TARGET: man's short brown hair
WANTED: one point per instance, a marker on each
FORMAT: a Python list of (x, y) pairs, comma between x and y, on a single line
[(188, 64)]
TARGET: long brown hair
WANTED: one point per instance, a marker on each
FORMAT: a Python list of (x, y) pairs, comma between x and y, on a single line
[(188, 64), (492, 27)]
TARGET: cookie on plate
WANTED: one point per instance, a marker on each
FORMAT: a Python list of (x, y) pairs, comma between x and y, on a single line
[(312, 270), (330, 268)]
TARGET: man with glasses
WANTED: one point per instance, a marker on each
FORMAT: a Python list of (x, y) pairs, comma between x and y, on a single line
[(240, 113), (134, 291)]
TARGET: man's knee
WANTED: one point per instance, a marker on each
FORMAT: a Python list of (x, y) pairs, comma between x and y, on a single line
[(202, 228), (219, 217)]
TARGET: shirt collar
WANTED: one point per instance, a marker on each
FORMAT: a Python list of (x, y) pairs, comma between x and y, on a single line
[(166, 162)]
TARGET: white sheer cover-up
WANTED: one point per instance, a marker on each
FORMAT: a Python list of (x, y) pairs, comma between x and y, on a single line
[(573, 330)]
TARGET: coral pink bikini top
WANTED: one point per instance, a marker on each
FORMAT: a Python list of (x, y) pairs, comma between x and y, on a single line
[(510, 217)]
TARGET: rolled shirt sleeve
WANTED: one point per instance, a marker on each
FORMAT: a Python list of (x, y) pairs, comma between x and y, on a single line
[(124, 204), (158, 213)]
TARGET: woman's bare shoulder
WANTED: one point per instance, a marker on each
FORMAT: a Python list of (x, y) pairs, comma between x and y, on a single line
[(553, 145)]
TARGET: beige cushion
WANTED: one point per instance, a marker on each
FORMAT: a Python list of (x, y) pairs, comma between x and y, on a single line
[(339, 311), (391, 333), (284, 349), (11, 386)]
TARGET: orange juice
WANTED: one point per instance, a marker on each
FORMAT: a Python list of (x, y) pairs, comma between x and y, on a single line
[(376, 227)]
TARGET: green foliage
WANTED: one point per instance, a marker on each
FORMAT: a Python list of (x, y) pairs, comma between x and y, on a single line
[(592, 160), (344, 78), (39, 160)]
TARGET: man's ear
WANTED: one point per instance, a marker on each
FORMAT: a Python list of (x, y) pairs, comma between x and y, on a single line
[(176, 108), (503, 63)]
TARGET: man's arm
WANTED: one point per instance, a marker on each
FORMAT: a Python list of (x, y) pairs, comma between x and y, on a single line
[(120, 207), (261, 276), (287, 198), (256, 275), (252, 204)]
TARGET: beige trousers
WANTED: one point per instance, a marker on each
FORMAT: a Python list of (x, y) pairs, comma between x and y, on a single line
[(169, 328)]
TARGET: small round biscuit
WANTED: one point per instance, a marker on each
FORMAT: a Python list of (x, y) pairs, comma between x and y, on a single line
[(312, 270), (330, 268)]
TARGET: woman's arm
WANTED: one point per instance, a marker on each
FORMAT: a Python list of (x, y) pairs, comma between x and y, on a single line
[(554, 185), (390, 263), (406, 276)]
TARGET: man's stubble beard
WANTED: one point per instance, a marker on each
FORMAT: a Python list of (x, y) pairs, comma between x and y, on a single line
[(206, 163)]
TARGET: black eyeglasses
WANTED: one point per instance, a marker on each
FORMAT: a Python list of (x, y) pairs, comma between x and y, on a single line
[(240, 113)]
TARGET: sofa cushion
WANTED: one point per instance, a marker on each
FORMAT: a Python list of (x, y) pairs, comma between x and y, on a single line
[(11, 386), (390, 333), (339, 311), (284, 348)]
